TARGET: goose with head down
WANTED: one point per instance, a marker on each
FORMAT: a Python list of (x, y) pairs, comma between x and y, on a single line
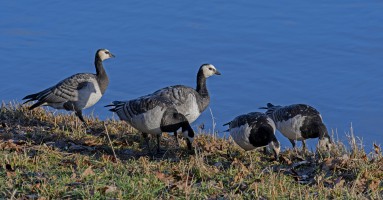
[(254, 130), (299, 122)]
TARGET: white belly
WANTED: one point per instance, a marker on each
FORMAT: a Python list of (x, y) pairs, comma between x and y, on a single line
[(89, 95), (190, 109), (148, 122), (291, 127), (241, 136)]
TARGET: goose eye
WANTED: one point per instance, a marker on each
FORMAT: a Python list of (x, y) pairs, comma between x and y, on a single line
[(106, 52), (210, 68)]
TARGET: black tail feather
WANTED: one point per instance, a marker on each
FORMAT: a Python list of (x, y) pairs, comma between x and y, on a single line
[(269, 105), (228, 123), (29, 100), (37, 104), (228, 130), (113, 110), (115, 104), (31, 97)]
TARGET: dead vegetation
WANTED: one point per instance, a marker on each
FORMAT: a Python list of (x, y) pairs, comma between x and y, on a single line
[(48, 156)]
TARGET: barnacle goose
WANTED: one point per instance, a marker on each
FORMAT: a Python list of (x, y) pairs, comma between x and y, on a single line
[(189, 101), (153, 115), (299, 122), (254, 130), (76, 92)]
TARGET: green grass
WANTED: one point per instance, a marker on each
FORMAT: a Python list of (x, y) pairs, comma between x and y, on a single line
[(50, 156)]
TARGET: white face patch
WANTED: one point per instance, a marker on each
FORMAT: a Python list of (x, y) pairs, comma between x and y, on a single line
[(324, 143), (104, 54), (186, 135), (208, 70), (275, 147), (291, 127)]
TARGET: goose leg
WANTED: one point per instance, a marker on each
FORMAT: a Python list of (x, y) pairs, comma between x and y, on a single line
[(292, 142), (159, 151), (304, 145), (190, 147), (146, 138), (79, 115), (176, 136), (158, 144), (265, 150), (190, 135)]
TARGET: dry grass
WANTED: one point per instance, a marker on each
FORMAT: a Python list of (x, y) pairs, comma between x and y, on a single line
[(50, 156)]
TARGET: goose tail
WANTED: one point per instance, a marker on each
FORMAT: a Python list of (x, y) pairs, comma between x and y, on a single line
[(33, 97), (117, 105)]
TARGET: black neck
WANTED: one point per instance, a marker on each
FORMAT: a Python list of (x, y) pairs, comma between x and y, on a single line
[(323, 133), (100, 71), (102, 77), (201, 84), (275, 140), (186, 127)]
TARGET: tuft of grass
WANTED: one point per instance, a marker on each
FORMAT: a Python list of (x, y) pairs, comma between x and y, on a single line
[(49, 156)]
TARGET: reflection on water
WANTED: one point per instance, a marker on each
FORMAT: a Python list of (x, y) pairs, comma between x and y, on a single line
[(326, 54)]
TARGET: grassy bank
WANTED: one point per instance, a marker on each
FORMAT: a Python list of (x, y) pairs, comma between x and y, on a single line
[(47, 156)]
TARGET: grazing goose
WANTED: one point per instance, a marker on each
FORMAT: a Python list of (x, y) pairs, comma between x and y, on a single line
[(77, 92), (299, 122), (153, 115), (188, 101), (254, 130)]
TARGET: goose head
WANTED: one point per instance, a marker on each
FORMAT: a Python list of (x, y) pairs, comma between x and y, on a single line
[(275, 147), (188, 133), (209, 70), (325, 142), (104, 54)]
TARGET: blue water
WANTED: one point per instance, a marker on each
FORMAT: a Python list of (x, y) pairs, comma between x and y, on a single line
[(328, 54)]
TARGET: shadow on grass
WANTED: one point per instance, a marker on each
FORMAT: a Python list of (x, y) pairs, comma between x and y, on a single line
[(340, 170), (66, 134)]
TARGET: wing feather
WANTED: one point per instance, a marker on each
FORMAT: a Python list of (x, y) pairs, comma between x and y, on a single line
[(64, 91)]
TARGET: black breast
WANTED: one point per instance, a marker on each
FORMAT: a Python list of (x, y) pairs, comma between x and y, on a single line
[(262, 133), (311, 127)]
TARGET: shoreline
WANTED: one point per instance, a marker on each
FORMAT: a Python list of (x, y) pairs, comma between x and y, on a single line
[(48, 155)]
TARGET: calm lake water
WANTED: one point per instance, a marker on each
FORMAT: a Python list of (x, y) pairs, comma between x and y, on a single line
[(328, 54)]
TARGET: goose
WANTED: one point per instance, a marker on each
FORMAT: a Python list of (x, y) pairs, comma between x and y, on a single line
[(254, 130), (153, 115), (299, 122), (76, 92), (189, 101)]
